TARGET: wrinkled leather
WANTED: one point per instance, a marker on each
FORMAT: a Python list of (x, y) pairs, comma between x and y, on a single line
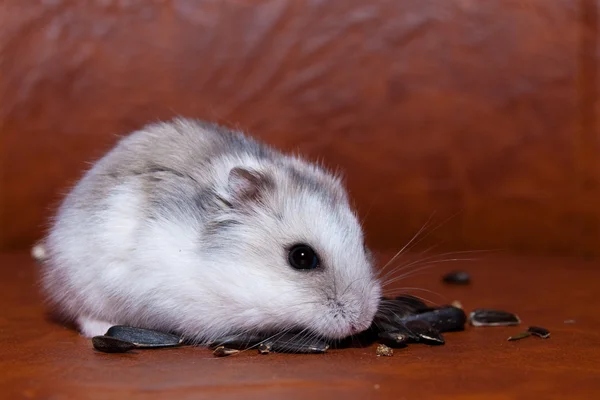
[(485, 111)]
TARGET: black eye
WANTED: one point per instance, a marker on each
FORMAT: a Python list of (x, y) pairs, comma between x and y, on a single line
[(302, 256)]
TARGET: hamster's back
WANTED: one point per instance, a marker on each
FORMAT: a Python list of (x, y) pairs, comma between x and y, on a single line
[(143, 195)]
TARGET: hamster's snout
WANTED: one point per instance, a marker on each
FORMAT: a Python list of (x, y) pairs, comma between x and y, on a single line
[(351, 313)]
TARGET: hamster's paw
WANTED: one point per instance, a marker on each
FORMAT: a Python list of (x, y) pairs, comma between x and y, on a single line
[(91, 327)]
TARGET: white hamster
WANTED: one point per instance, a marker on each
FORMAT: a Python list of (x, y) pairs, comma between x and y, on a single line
[(186, 226)]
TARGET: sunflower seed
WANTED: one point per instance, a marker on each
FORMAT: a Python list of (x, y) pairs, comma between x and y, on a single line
[(143, 338), (443, 319), (412, 303), (223, 351), (539, 331), (394, 339), (457, 278), (107, 344), (491, 317), (294, 343), (383, 350), (425, 332)]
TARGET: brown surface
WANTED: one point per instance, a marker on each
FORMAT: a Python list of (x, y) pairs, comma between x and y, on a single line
[(487, 108), (41, 360)]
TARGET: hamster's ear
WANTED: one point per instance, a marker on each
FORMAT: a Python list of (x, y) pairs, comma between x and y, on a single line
[(246, 185)]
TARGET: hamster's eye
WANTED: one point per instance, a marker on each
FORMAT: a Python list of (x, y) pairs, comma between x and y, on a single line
[(302, 256)]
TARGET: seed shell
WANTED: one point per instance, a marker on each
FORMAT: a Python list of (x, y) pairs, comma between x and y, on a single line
[(292, 343), (223, 351), (412, 303), (457, 278), (491, 317), (539, 331), (394, 339), (107, 344), (442, 319), (143, 338), (425, 332)]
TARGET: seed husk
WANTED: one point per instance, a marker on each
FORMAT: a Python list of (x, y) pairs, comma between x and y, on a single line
[(239, 342), (457, 278), (143, 338), (443, 319), (491, 317), (107, 344), (394, 339), (264, 348), (383, 350), (539, 331), (293, 343), (223, 351), (425, 332), (519, 336)]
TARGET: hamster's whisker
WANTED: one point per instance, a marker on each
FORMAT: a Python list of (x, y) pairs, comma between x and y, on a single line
[(395, 269), (412, 243), (407, 244), (431, 259), (352, 283), (429, 265), (403, 290)]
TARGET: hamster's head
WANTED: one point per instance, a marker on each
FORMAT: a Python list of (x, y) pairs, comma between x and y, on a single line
[(293, 252)]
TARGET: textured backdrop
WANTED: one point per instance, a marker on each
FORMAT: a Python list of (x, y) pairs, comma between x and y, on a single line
[(480, 110)]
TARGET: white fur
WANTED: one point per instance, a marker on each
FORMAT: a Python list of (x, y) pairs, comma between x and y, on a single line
[(111, 264)]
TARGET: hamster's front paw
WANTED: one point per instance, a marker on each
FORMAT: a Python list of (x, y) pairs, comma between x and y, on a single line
[(91, 327)]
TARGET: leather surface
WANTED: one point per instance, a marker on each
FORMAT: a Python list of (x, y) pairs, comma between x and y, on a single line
[(485, 111), (42, 360)]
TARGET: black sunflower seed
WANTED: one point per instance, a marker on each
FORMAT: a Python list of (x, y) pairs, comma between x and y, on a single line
[(539, 331), (443, 319), (411, 303), (291, 343), (425, 332), (457, 278), (107, 344), (491, 317), (394, 339), (393, 309), (143, 338), (223, 351)]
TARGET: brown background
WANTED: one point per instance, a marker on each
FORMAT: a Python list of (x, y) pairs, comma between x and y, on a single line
[(485, 110)]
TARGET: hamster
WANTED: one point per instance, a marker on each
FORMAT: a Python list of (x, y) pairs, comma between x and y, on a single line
[(187, 226)]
